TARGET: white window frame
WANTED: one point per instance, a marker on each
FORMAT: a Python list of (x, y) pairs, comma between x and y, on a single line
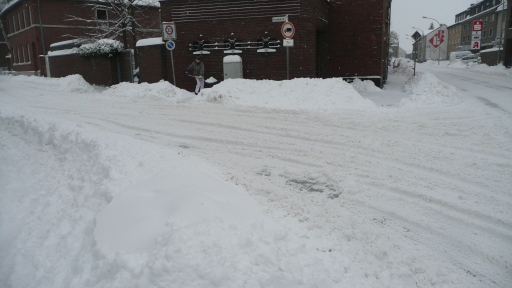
[(30, 15), (18, 50), (490, 32), (28, 52), (19, 19), (23, 52), (24, 18)]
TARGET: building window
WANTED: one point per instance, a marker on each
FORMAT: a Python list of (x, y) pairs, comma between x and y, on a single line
[(23, 52), (490, 32), (101, 14), (24, 18), (484, 34), (14, 22), (492, 18), (30, 15), (19, 21), (28, 52), (18, 50), (486, 19)]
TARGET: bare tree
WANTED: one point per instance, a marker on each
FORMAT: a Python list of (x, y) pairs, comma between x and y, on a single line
[(116, 19), (394, 38)]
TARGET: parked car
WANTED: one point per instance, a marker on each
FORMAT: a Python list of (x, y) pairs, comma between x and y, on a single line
[(458, 54), (473, 58)]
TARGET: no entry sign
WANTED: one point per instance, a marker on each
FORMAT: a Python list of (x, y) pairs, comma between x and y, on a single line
[(288, 30), (168, 31)]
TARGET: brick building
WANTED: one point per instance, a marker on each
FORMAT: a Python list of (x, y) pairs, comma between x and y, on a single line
[(33, 25), (337, 38)]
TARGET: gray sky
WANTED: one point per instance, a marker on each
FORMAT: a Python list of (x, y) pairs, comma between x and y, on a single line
[(406, 14)]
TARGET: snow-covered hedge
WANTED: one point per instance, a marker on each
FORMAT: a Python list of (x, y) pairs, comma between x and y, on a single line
[(100, 48)]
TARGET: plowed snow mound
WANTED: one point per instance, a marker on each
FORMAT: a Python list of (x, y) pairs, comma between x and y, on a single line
[(329, 95), (160, 90), (72, 83), (427, 90)]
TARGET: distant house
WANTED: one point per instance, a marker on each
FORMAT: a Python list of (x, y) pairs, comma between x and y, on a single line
[(335, 38), (32, 26)]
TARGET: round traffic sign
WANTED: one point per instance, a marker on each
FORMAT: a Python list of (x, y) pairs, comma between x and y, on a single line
[(170, 45), (169, 30), (288, 30)]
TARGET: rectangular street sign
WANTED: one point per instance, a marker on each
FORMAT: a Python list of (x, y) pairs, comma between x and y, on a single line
[(287, 42), (168, 31), (280, 19)]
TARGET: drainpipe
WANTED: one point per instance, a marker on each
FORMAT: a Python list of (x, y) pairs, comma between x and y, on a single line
[(41, 25)]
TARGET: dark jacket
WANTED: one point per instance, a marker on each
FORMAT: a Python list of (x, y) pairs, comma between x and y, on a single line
[(196, 69)]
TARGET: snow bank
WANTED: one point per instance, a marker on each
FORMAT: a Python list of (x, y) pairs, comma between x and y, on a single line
[(328, 95), (160, 90), (365, 86), (427, 90), (72, 83), (498, 70), (84, 209)]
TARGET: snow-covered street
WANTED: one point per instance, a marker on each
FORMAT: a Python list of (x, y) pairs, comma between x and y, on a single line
[(300, 183)]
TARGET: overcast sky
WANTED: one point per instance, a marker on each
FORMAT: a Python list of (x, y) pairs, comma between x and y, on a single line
[(406, 14)]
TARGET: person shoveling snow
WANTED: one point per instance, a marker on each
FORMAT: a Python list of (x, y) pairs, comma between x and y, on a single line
[(196, 70)]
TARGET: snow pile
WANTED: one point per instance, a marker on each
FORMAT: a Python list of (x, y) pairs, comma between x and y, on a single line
[(328, 95), (100, 48), (160, 90), (72, 83), (490, 70), (498, 70), (75, 83), (365, 86), (427, 90)]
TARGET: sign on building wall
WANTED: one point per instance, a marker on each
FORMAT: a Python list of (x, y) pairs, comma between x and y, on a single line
[(437, 44)]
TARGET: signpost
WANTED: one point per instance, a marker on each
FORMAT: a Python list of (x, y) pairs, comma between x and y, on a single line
[(170, 45), (288, 30), (476, 34)]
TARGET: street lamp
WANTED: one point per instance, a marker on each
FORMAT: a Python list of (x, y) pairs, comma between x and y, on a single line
[(439, 49), (422, 36)]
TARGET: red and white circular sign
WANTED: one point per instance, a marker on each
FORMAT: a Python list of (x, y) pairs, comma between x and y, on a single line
[(288, 30), (169, 30)]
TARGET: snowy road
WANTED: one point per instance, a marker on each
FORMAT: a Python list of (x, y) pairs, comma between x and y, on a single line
[(493, 90), (411, 196)]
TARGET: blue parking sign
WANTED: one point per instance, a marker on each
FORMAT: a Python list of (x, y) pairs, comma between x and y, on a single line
[(170, 45)]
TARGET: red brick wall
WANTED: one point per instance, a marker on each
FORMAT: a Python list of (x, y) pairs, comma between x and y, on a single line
[(255, 65), (95, 70), (341, 38), (152, 66), (357, 43), (56, 27)]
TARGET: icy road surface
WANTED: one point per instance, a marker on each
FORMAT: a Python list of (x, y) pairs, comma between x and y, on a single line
[(413, 191)]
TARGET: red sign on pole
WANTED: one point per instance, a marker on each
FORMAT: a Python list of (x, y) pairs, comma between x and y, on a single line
[(477, 25), (437, 39)]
